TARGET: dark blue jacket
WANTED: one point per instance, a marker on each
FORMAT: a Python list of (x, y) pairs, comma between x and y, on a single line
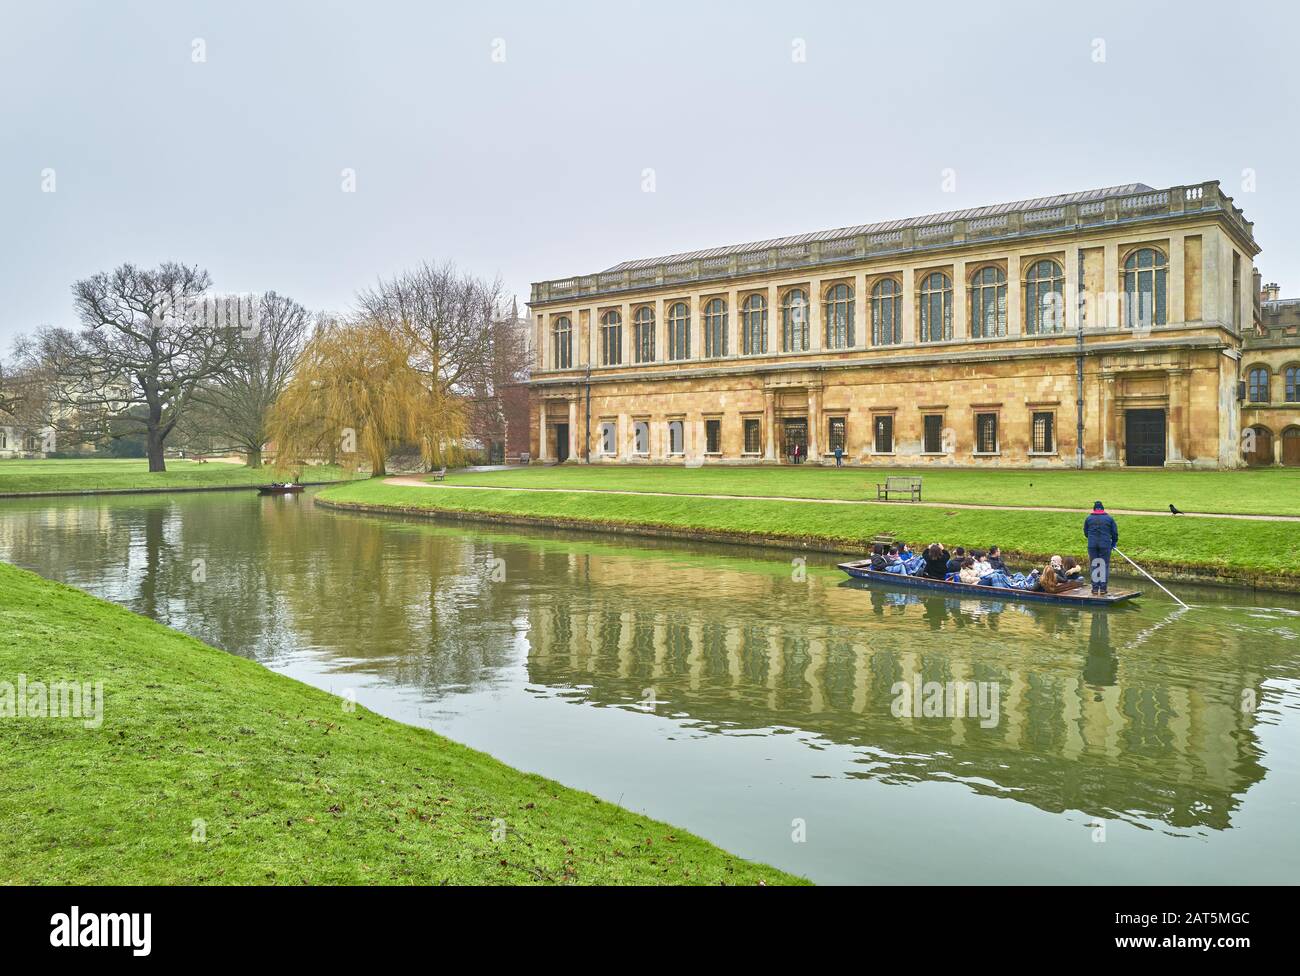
[(1101, 530)]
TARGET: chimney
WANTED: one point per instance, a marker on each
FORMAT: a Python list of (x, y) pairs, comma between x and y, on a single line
[(1270, 292)]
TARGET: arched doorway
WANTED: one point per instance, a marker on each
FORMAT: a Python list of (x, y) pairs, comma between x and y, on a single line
[(1291, 447), (1258, 450)]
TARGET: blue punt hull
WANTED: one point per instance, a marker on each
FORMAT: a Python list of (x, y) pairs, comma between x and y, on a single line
[(1080, 596)]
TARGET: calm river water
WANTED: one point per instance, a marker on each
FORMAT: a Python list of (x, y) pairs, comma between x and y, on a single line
[(724, 691)]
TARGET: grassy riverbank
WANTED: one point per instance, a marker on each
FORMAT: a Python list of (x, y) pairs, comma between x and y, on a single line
[(1265, 491), (286, 784), (76, 476), (1244, 551)]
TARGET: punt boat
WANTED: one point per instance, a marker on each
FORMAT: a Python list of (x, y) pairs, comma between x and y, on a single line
[(279, 488), (1079, 596)]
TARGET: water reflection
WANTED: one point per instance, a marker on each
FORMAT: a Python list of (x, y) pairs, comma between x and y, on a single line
[(1132, 714)]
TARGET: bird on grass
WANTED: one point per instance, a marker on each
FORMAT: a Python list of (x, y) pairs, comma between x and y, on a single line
[(1174, 511)]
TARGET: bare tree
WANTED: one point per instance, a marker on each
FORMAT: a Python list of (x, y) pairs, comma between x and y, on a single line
[(25, 390), (237, 402), (450, 318), (142, 353)]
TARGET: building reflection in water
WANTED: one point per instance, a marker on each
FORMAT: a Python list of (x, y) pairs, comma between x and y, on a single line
[(1131, 714)]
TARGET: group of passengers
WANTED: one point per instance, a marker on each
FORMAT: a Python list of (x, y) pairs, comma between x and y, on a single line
[(978, 567)]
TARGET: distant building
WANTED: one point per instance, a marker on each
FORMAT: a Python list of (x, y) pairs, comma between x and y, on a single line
[(950, 339), (1271, 371)]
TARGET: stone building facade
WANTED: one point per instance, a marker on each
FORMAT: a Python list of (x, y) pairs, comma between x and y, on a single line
[(988, 336), (1271, 374)]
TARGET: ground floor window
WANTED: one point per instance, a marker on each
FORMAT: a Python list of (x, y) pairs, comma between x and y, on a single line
[(641, 437), (676, 437), (933, 433), (836, 435), (713, 437), (986, 433), (1043, 440), (753, 436), (883, 427), (608, 437)]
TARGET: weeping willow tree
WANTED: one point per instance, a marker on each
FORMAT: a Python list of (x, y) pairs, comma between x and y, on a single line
[(357, 395), (452, 321)]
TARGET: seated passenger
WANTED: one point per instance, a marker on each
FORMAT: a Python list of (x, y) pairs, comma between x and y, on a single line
[(1071, 569), (981, 564), (878, 561), (968, 573), (935, 562), (954, 564), (994, 559), (1053, 579)]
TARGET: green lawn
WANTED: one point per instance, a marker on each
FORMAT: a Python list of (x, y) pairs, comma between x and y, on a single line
[(1238, 548), (290, 786), (1273, 491), (105, 474)]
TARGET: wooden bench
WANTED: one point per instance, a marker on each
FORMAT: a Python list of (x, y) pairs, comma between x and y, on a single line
[(440, 473), (910, 486)]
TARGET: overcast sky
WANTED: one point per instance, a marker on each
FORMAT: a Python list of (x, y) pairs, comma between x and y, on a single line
[(513, 137)]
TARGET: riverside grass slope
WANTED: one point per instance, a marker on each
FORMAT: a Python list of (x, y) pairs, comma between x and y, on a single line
[(1239, 551), (291, 787), (79, 476)]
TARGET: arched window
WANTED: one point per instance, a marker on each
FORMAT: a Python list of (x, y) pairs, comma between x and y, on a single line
[(679, 331), (1257, 385), (1292, 376), (988, 303), (886, 313), (936, 307), (1044, 298), (1144, 289), (561, 343), (643, 334), (794, 321), (839, 317), (676, 441), (715, 328), (754, 324), (611, 338)]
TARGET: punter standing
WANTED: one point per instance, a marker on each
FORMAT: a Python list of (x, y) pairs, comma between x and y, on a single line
[(1103, 536)]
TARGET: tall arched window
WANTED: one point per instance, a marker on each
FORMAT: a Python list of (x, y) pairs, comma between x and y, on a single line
[(643, 334), (715, 328), (839, 317), (1257, 385), (561, 343), (1044, 298), (988, 303), (1292, 376), (754, 324), (611, 338), (936, 307), (794, 321), (679, 331), (1144, 288), (886, 313)]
